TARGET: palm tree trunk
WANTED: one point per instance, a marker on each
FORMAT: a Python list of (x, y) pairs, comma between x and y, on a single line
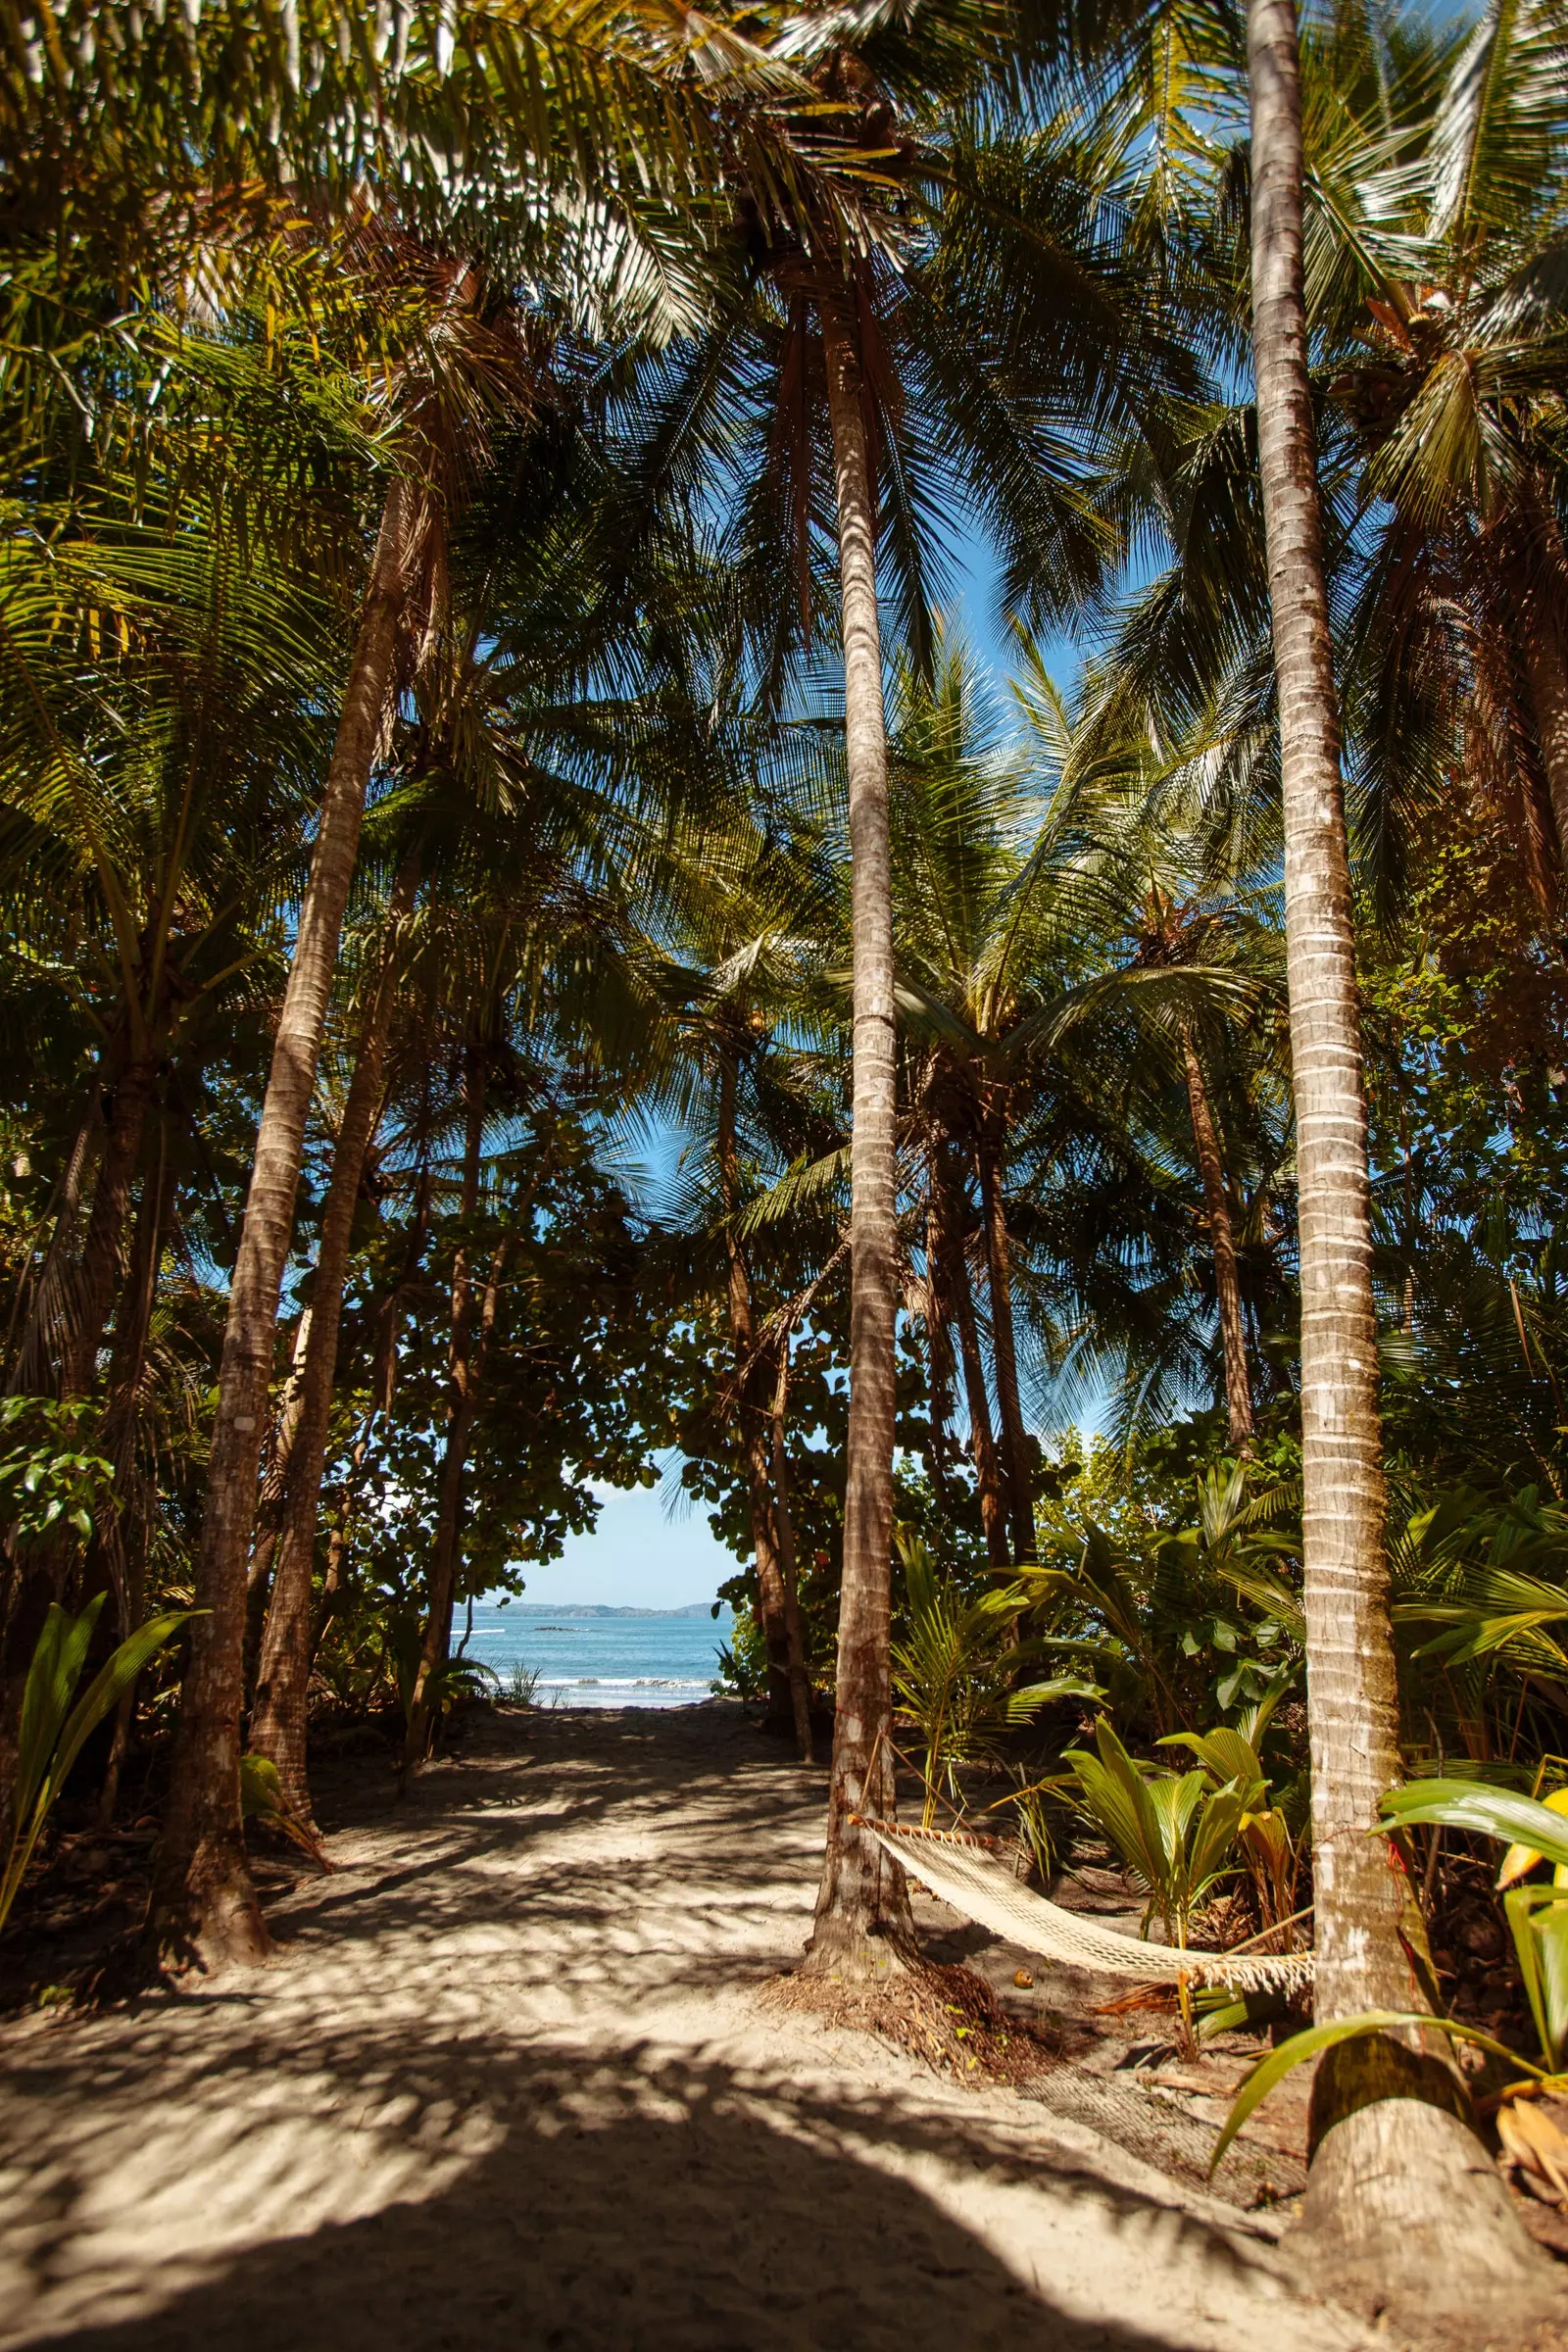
[(106, 1225), (862, 1905), (937, 1355), (278, 1718), (1402, 2200), (383, 1386), (448, 1548), (203, 1903), (270, 1502), (989, 1148), (135, 1493), (464, 1374), (800, 1679), (1222, 1243), (771, 1613), (978, 1404), (1546, 675)]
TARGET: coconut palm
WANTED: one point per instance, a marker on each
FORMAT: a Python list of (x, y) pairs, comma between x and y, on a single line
[(468, 367), (1392, 2177), (991, 348), (1045, 1029)]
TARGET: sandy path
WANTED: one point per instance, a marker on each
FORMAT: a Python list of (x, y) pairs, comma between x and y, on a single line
[(508, 2082)]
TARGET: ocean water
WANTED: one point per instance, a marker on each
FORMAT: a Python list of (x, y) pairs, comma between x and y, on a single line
[(617, 1660)]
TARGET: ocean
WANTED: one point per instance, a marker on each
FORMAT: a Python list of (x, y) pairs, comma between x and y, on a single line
[(610, 1658)]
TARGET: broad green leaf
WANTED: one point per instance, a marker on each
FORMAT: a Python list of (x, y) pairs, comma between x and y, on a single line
[(117, 1674), (1499, 1813), (1273, 2067)]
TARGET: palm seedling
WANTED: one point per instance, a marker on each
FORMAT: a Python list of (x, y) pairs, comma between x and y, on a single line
[(1175, 1832), (53, 1729), (955, 1674)]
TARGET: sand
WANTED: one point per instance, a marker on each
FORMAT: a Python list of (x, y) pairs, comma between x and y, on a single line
[(509, 2082)]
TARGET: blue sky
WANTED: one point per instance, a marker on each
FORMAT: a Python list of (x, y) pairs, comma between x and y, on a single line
[(637, 1558)]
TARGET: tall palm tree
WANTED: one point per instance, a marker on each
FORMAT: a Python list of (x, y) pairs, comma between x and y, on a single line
[(464, 369), (991, 347), (1399, 2188)]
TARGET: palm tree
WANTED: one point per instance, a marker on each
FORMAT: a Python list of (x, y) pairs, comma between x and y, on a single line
[(1440, 221), (1170, 932), (277, 1724), (1397, 2184), (465, 363), (1045, 1023), (927, 371)]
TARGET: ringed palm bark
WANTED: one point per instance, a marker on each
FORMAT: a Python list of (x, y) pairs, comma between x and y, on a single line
[(863, 1904), (1173, 933), (278, 1726), (1400, 2189), (789, 1692), (1222, 1245), (203, 1903)]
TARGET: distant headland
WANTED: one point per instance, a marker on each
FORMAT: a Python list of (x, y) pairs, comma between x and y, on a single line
[(598, 1608)]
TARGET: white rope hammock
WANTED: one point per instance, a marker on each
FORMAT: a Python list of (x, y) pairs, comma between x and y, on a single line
[(963, 1873)]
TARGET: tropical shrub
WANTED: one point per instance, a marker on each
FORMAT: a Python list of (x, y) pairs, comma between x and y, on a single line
[(1175, 1832), (1537, 1920), (954, 1672), (53, 1730)]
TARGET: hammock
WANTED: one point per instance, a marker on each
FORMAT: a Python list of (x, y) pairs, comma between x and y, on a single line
[(962, 1870)]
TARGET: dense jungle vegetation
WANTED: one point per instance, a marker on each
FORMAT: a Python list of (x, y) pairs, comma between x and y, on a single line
[(535, 946)]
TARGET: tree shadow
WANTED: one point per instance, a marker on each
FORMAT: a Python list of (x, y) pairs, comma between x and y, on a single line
[(580, 2201)]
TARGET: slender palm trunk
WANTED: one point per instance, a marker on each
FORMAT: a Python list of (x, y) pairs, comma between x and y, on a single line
[(98, 1274), (989, 1150), (135, 1493), (448, 1548), (383, 1386), (269, 1527), (795, 1643), (978, 1404), (953, 1272), (862, 1906), (203, 1903), (1222, 1243), (441, 1580), (1403, 2200), (278, 1718), (939, 1356), (771, 1611), (466, 1358)]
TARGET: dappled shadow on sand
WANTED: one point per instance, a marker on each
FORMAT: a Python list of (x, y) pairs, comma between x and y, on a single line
[(508, 2082), (552, 2198)]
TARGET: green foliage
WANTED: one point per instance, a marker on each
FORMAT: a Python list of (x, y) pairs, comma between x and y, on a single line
[(1269, 1833), (1272, 2069), (53, 1730), (1175, 1832), (1538, 1920), (261, 1798), (1179, 1620), (954, 1672), (455, 1679), (50, 1486)]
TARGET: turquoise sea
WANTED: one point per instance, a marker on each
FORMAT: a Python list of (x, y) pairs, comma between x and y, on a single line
[(589, 1657)]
